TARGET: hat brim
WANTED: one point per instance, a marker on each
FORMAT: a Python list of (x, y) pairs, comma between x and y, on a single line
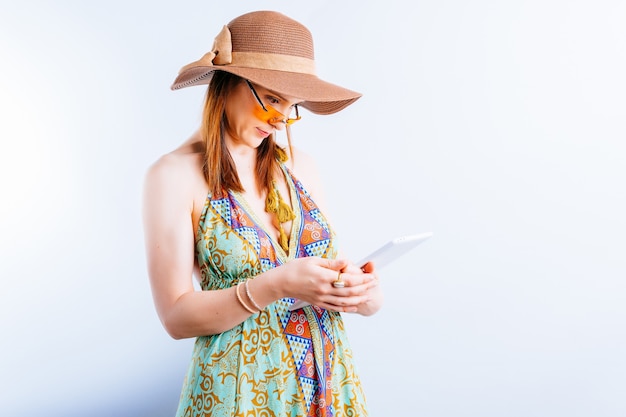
[(318, 96)]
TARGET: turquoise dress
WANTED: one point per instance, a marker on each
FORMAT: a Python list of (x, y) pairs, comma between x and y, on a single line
[(277, 362)]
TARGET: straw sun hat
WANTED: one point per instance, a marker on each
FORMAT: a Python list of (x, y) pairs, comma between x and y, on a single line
[(274, 51)]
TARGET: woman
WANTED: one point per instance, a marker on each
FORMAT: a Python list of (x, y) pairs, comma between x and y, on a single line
[(244, 215)]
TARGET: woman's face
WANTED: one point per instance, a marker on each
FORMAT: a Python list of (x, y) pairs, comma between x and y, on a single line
[(248, 124)]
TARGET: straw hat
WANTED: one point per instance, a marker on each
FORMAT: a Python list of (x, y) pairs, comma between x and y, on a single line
[(274, 51)]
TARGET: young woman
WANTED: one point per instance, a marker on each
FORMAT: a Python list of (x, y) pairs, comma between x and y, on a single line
[(245, 216)]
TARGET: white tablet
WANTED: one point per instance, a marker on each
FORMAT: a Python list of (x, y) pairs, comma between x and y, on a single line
[(393, 249), (384, 255)]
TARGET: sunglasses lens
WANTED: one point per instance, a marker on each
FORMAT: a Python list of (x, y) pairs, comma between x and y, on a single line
[(269, 114), (274, 116)]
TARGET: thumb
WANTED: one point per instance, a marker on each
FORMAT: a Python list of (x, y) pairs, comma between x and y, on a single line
[(337, 264)]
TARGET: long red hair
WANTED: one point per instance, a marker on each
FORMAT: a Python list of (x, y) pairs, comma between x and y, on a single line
[(219, 169)]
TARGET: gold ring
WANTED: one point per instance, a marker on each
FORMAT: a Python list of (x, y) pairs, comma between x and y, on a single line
[(338, 283)]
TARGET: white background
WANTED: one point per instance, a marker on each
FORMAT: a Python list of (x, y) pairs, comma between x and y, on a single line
[(497, 125)]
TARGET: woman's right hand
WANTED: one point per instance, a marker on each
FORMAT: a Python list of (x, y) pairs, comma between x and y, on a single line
[(311, 279)]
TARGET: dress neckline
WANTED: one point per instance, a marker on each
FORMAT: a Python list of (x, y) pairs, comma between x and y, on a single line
[(295, 224)]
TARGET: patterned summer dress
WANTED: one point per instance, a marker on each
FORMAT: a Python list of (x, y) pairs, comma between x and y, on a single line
[(277, 362)]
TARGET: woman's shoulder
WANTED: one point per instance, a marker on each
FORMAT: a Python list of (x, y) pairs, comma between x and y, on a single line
[(304, 168), (302, 164), (178, 169)]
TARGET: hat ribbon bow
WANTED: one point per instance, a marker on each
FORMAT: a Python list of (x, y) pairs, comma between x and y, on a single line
[(222, 50)]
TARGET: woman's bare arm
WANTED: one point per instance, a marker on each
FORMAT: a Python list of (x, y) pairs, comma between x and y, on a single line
[(168, 229)]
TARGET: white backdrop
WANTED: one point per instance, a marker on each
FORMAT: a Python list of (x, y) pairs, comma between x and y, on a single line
[(497, 125)]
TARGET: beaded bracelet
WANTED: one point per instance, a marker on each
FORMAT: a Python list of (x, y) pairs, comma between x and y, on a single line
[(247, 307), (254, 303)]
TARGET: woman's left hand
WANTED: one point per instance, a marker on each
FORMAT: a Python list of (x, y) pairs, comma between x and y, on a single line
[(353, 276)]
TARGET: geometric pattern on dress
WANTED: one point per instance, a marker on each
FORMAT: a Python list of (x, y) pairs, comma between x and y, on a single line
[(325, 322), (298, 334), (251, 235), (222, 207), (300, 346), (317, 215), (314, 239), (243, 224), (315, 370), (315, 234), (323, 352), (309, 387), (317, 248), (266, 263)]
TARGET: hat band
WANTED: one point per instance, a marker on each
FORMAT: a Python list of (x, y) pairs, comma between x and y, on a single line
[(222, 54), (277, 62)]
